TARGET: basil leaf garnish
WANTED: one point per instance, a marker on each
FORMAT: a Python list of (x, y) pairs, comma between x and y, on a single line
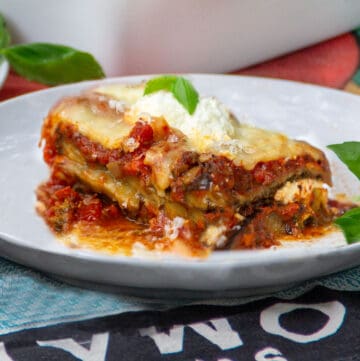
[(181, 88), (52, 64), (349, 153), (185, 94), (349, 222), (165, 82)]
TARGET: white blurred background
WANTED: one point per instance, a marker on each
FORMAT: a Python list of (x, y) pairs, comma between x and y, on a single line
[(158, 36)]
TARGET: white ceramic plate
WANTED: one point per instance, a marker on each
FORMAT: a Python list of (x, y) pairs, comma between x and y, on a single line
[(4, 69), (320, 115)]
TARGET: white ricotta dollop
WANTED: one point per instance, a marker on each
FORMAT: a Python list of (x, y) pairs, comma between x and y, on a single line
[(211, 122)]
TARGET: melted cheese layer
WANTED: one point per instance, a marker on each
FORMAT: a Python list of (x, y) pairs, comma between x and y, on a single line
[(212, 130)]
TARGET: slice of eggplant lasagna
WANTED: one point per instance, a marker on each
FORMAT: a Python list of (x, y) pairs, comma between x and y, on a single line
[(131, 171)]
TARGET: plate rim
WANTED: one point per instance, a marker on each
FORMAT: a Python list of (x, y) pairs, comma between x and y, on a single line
[(137, 77)]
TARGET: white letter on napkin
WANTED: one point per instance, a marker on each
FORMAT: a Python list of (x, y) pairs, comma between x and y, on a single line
[(220, 334), (269, 320), (166, 343), (269, 354), (3, 354), (96, 352)]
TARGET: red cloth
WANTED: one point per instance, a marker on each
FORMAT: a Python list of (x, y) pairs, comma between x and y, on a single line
[(16, 85), (331, 63)]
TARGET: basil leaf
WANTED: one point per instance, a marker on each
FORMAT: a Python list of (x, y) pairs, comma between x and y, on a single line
[(185, 94), (182, 89), (349, 222), (52, 64), (4, 33), (165, 82), (349, 153)]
